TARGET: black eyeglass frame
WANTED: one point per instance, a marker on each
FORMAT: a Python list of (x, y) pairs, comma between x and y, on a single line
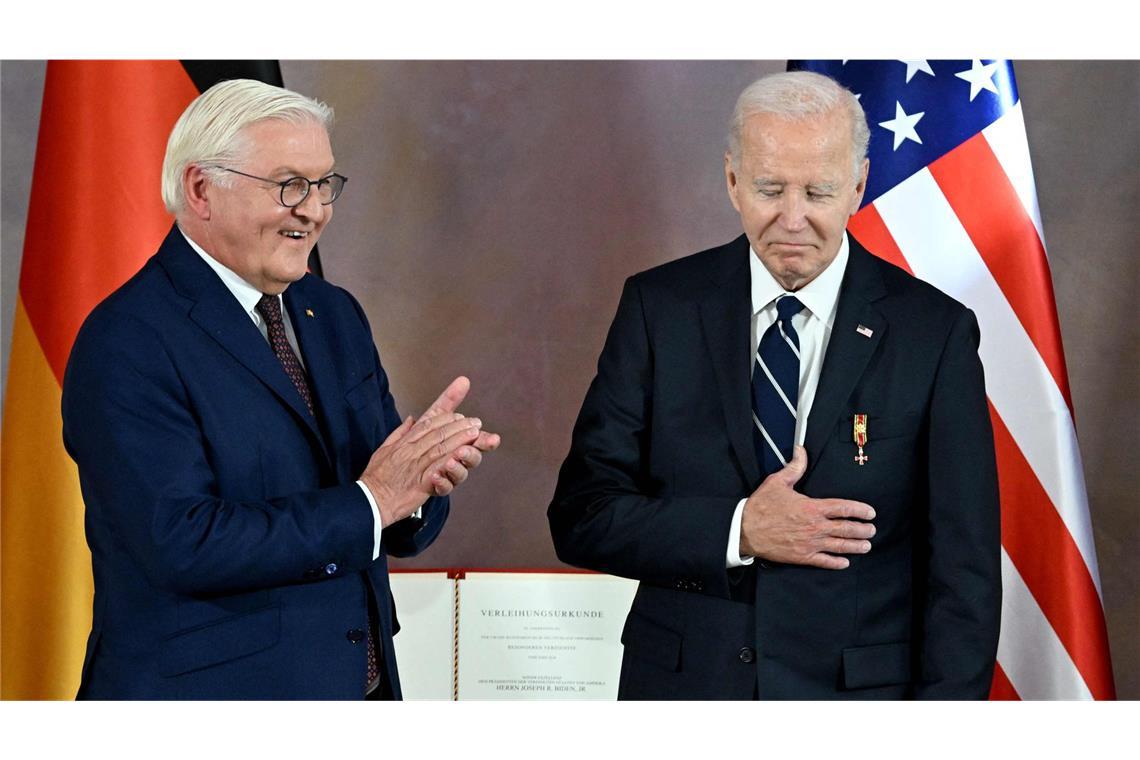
[(282, 185)]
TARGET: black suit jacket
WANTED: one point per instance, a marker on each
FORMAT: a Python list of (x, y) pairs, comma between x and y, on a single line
[(231, 546), (662, 452)]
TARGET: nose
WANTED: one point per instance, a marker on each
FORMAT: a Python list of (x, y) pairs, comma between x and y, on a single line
[(311, 208), (793, 212)]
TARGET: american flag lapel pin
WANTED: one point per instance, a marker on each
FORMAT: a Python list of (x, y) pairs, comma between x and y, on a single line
[(865, 331)]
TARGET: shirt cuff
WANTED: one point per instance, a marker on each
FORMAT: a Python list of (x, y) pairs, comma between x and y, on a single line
[(378, 527), (732, 556)]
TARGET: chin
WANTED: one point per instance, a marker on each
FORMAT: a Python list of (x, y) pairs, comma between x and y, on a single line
[(294, 265), (790, 267)]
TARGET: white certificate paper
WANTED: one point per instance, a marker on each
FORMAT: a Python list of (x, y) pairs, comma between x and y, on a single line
[(425, 645), (532, 636)]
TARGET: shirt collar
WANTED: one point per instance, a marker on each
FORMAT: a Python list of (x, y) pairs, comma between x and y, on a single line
[(820, 296), (246, 294)]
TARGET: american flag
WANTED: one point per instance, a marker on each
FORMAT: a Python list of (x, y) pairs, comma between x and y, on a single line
[(951, 199)]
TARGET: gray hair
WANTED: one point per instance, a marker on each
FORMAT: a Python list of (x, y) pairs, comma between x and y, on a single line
[(210, 129), (799, 95)]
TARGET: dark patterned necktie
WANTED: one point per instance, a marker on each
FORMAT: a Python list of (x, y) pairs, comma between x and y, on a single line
[(372, 680), (269, 307), (776, 388)]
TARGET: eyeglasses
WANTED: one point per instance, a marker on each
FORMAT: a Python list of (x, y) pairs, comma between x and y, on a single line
[(295, 190)]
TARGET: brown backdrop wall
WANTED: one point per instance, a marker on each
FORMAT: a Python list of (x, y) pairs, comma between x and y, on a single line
[(495, 208)]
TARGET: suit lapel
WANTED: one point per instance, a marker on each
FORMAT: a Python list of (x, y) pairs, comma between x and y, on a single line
[(218, 313), (726, 313), (310, 323), (848, 350)]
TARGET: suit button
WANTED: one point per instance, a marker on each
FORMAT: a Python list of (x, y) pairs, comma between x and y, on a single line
[(355, 635), (330, 568), (747, 655)]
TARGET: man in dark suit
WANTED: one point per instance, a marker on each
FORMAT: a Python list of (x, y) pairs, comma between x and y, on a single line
[(244, 470), (787, 442)]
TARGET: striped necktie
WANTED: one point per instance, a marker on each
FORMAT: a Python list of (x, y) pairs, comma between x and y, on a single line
[(776, 388)]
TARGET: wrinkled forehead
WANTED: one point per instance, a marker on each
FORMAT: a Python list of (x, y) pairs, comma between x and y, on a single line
[(834, 125), (818, 139), (284, 140)]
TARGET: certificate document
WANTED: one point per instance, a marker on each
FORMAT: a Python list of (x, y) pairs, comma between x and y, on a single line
[(510, 636), (536, 636)]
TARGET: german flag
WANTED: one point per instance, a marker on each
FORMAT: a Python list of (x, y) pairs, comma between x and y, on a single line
[(94, 217)]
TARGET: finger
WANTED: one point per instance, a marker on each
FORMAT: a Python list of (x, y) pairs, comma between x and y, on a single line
[(846, 546), (828, 562), (396, 435), (451, 397), (488, 441), (454, 471), (447, 469), (469, 456), (794, 470), (438, 452), (851, 529), (842, 508), (427, 427), (440, 485), (436, 442)]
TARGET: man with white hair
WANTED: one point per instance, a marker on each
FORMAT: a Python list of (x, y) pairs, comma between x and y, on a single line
[(243, 467), (787, 442)]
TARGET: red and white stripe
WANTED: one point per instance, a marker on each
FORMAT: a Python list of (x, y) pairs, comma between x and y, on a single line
[(969, 224)]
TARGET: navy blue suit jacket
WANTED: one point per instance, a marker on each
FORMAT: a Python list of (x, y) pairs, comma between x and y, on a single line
[(231, 546), (663, 451)]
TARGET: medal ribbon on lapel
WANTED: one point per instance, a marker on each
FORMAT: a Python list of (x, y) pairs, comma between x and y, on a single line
[(860, 435)]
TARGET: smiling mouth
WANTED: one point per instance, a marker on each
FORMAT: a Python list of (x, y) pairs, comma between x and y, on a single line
[(294, 234)]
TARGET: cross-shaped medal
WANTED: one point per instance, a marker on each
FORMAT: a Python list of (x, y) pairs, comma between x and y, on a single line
[(861, 438)]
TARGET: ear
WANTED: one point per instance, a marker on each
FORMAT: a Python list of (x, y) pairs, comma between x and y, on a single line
[(196, 186), (861, 185), (731, 181)]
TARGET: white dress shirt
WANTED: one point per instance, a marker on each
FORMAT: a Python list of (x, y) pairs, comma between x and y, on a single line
[(813, 325), (248, 296)]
